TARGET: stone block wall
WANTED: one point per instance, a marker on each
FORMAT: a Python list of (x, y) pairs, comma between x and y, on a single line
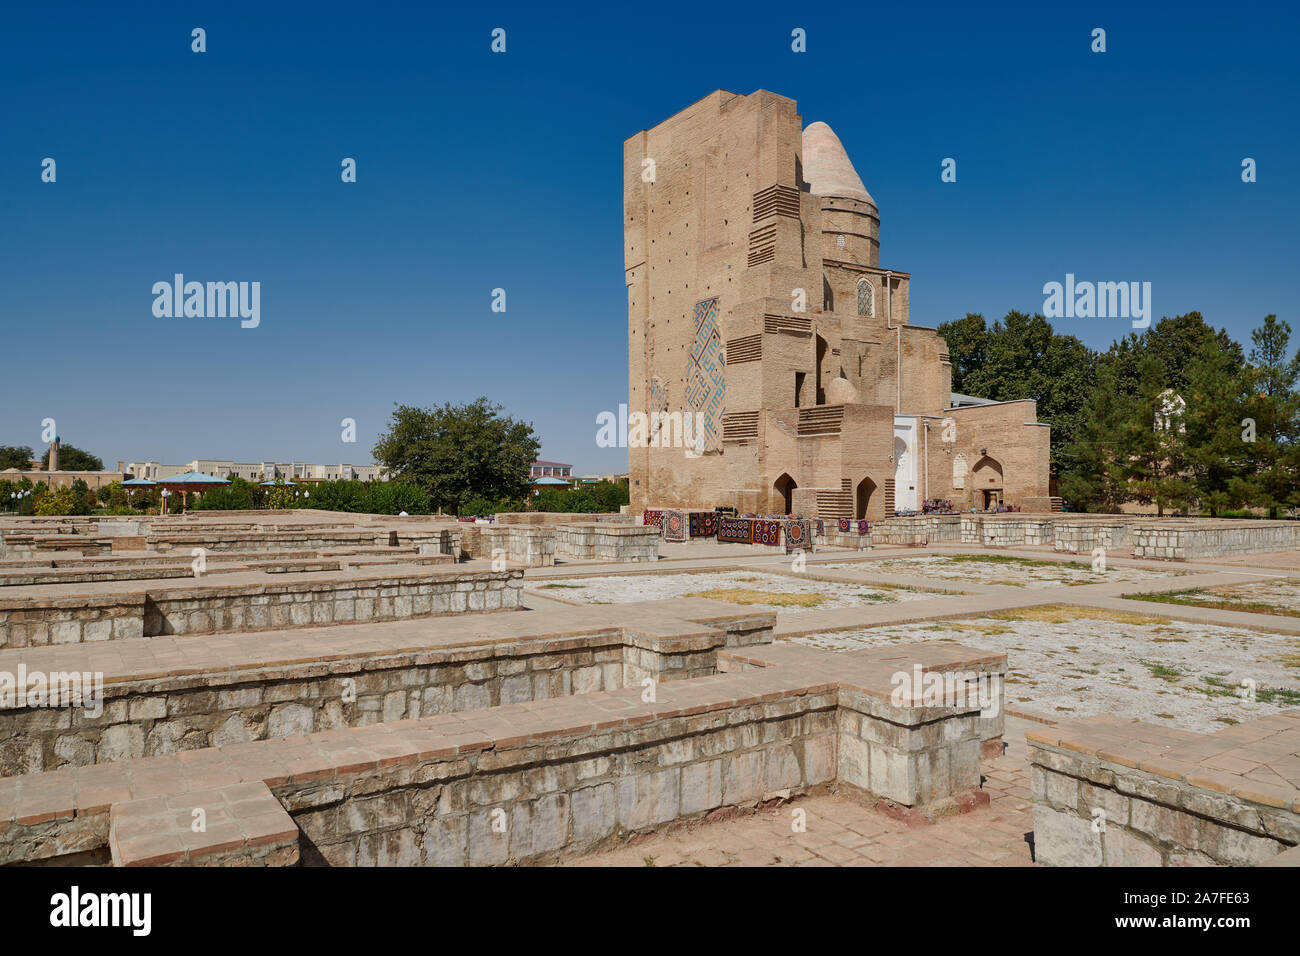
[(1113, 793), (536, 802), (150, 716), (224, 608), (1204, 539), (606, 542), (533, 547), (529, 783), (1082, 536)]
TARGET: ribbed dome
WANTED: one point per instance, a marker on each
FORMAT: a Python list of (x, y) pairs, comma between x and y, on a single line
[(826, 166), (841, 392)]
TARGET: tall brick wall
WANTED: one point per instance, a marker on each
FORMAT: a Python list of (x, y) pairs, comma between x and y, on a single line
[(743, 307)]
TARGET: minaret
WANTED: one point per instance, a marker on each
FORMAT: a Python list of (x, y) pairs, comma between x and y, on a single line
[(54, 454)]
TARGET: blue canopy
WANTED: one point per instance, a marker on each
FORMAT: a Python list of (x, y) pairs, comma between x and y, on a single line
[(192, 478), (285, 482), (138, 481)]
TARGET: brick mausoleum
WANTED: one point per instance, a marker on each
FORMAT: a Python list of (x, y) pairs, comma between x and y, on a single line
[(757, 306)]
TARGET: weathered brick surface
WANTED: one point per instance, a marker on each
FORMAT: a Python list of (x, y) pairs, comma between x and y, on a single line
[(181, 608), (164, 695), (1109, 792), (522, 782)]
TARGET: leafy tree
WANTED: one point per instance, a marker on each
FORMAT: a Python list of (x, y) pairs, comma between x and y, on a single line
[(236, 496), (394, 497), (61, 501), (586, 499), (340, 495), (1022, 357), (15, 456), (72, 458), (280, 495), (458, 452)]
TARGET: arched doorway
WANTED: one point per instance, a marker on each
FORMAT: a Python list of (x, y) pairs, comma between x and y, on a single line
[(862, 497), (986, 483), (784, 498)]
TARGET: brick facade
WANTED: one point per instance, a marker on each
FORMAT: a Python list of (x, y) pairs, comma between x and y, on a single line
[(758, 311)]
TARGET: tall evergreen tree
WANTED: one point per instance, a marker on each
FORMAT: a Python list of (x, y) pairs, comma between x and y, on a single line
[(1274, 407), (1214, 391), (1097, 482)]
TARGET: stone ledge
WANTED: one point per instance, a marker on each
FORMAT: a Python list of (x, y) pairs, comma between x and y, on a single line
[(1165, 796), (570, 772), (236, 825)]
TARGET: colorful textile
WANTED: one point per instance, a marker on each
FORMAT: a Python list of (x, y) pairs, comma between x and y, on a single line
[(704, 524), (736, 530), (798, 535), (844, 525), (674, 526), (821, 527), (653, 519), (767, 532), (864, 527)]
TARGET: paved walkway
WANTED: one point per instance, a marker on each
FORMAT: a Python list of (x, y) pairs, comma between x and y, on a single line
[(842, 831)]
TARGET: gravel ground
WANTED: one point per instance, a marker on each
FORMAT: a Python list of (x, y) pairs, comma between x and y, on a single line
[(1185, 673), (1012, 573), (620, 589)]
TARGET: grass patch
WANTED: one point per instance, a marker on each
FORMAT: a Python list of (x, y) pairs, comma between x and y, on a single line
[(1275, 695), (1163, 671), (774, 598), (1064, 614), (1217, 687), (1019, 562), (1199, 597)]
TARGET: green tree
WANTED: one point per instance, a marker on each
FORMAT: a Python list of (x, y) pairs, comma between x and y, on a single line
[(72, 458), (1022, 357), (1273, 406), (236, 496), (15, 456), (1214, 391), (61, 501), (458, 452), (1154, 441), (1097, 481)]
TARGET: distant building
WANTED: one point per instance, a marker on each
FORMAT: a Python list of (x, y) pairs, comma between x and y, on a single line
[(550, 469), (55, 477), (297, 471)]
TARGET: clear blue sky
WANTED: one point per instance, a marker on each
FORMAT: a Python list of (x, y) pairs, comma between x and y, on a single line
[(478, 171)]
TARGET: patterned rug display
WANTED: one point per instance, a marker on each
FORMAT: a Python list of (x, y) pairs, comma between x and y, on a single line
[(798, 535), (704, 524), (767, 532), (736, 530), (844, 524), (653, 519), (864, 527), (674, 526)]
